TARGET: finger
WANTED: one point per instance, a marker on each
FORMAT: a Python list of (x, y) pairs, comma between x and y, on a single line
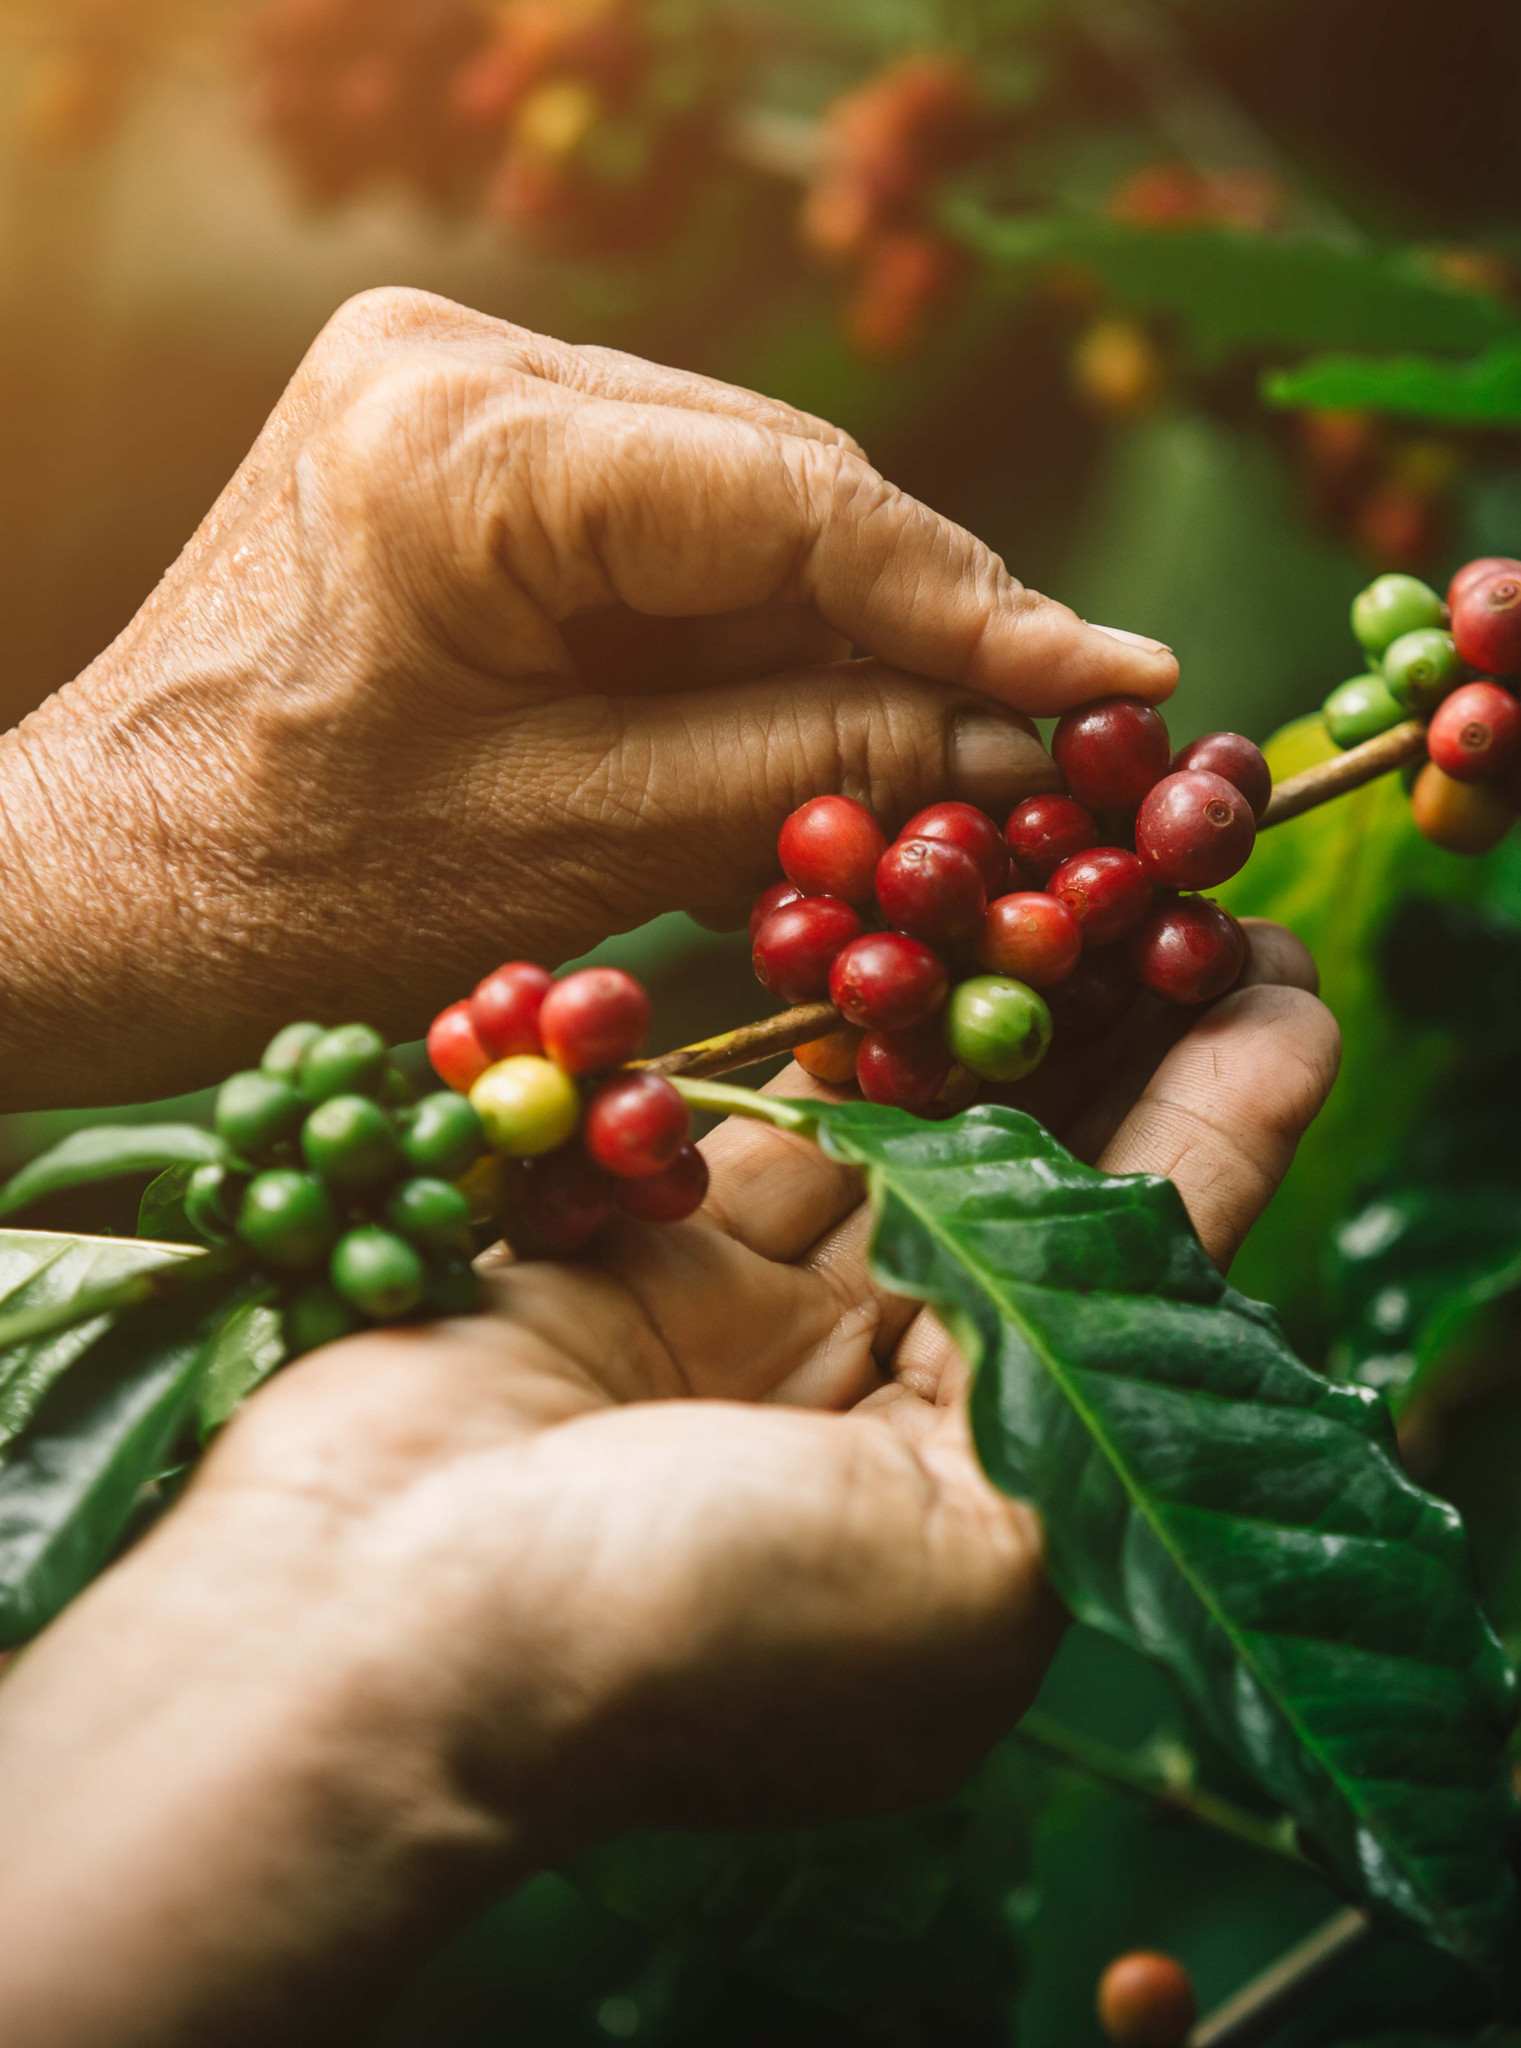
[(624, 653), (1223, 1113), (773, 1192)]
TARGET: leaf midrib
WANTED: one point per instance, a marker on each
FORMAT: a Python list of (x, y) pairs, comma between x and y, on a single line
[(1101, 1436)]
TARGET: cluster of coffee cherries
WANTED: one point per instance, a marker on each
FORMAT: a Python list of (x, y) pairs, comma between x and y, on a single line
[(344, 1188), (543, 1064), (1080, 901), (1457, 663)]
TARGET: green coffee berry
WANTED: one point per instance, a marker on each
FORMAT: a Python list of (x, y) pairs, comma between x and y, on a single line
[(442, 1136), (1421, 669), (1360, 710), (1390, 606), (255, 1112), (378, 1272), (997, 1027), (316, 1316), (352, 1060), (286, 1219), (351, 1142), (209, 1209), (287, 1049), (433, 1214)]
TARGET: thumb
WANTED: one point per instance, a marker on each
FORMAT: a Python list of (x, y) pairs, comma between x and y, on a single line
[(675, 802)]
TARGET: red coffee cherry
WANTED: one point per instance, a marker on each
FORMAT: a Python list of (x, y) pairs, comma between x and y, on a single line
[(1475, 734), (597, 1018), (1189, 952), (931, 890), (505, 1009), (1232, 756), (556, 1203), (1146, 2000), (1486, 623), (1031, 936), (1111, 752), (1479, 572), (830, 846), (1043, 831), (777, 897), (1093, 998), (903, 1069), (795, 948), (1107, 890), (886, 981), (1195, 830), (670, 1196), (635, 1125), (459, 1059), (973, 831)]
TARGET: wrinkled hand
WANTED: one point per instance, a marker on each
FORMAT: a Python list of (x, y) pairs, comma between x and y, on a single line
[(493, 646), (692, 1533)]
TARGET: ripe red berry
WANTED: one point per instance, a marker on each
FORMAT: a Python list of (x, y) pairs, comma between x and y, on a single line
[(830, 846), (931, 890), (777, 897), (1031, 936), (795, 948), (505, 1009), (670, 1196), (635, 1125), (973, 831), (1190, 951), (1044, 831), (556, 1203), (597, 1018), (1093, 998), (903, 1069), (1107, 890), (1111, 752), (1478, 572), (1146, 2000), (1231, 755), (459, 1059), (1475, 734), (1194, 830), (886, 981), (1486, 623)]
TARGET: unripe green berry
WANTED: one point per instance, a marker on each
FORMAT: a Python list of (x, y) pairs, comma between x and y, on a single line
[(1390, 606), (1361, 710), (353, 1060), (527, 1105), (286, 1218), (1422, 668), (378, 1272), (997, 1027), (350, 1141), (442, 1136), (207, 1208), (255, 1112), (287, 1049), (316, 1316), (432, 1213)]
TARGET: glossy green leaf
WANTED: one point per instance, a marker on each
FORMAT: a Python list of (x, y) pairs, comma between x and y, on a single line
[(1209, 1500), (102, 1431), (1482, 391), (107, 1152), (1230, 289), (247, 1348), (161, 1212)]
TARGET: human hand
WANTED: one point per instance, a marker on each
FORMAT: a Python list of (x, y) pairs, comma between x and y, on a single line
[(493, 646), (691, 1533)]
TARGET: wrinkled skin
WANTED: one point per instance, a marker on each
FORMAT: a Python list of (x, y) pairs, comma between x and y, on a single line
[(688, 1533), (493, 646)]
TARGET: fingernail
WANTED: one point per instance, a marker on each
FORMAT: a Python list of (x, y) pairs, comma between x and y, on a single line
[(1131, 639), (994, 760)]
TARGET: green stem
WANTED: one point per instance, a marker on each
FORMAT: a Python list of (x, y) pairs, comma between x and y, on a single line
[(724, 1099), (175, 1276), (1119, 1768)]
